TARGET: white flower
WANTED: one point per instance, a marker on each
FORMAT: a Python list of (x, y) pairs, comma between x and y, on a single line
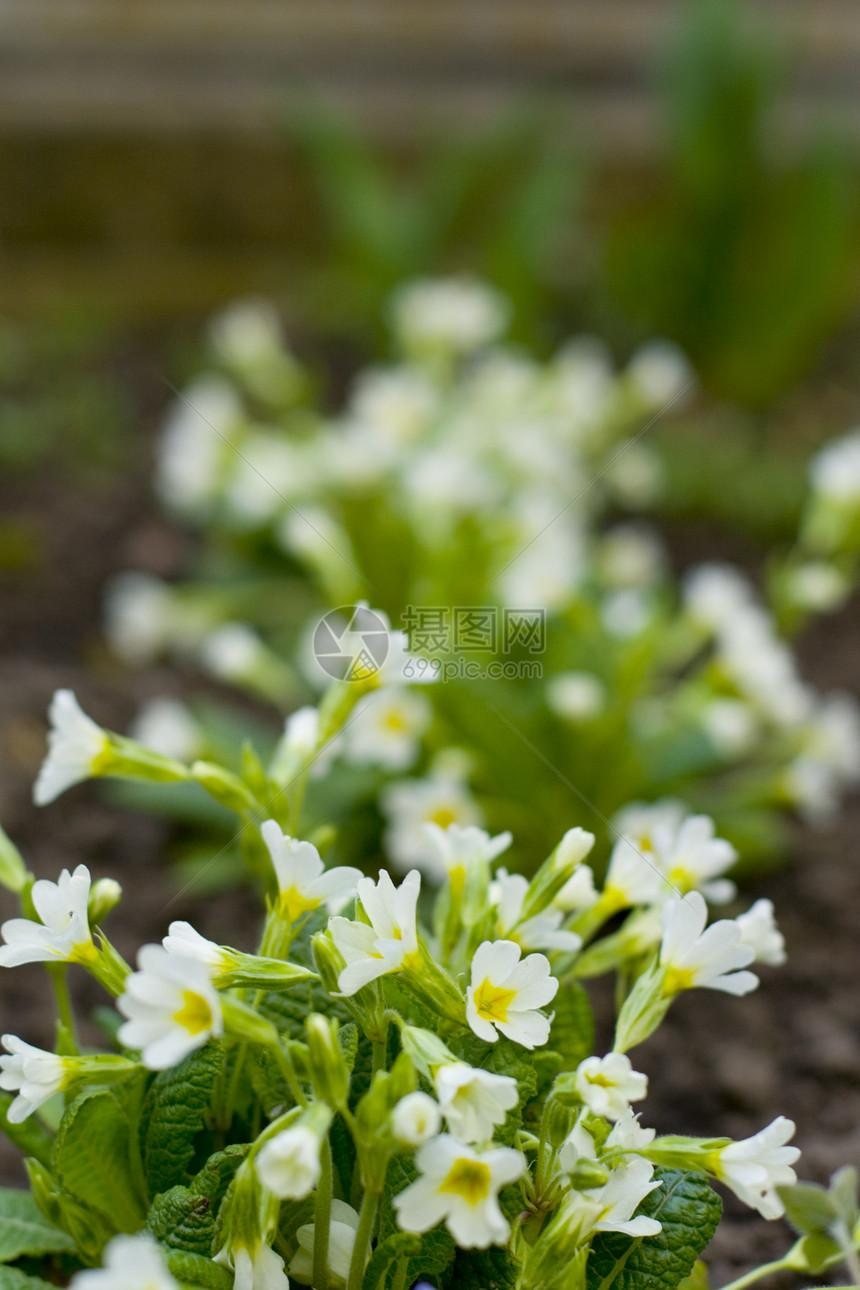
[(415, 1119), (760, 932), (341, 1242), (628, 1135), (639, 821), (193, 451), (709, 958), (128, 1263), (693, 859), (32, 1073), (461, 1186), (390, 942), (247, 333), (607, 1085), (171, 1007), (660, 372), (473, 1101), (289, 1164), (75, 746), (187, 942), (505, 993), (630, 555), (716, 594), (138, 617), (64, 932), (576, 696), (259, 1269), (409, 804), (756, 1166), (456, 848), (456, 314), (233, 652), (298, 746), (731, 726), (620, 1196), (835, 469), (542, 931), (395, 404), (166, 726), (386, 728), (633, 876), (579, 892), (303, 882), (818, 586)]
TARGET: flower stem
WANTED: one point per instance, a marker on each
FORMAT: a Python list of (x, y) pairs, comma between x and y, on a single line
[(290, 1076), (66, 1035), (366, 1219), (749, 1278), (322, 1219)]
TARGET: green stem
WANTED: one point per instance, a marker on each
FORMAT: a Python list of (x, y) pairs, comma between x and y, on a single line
[(290, 1076), (749, 1278), (366, 1219), (65, 1014), (399, 1282), (322, 1219)]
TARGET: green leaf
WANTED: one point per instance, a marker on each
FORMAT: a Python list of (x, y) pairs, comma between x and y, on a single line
[(689, 1210), (15, 1279), (195, 1269), (174, 1112), (491, 1269), (96, 1159), (184, 1217), (24, 1230), (698, 1278), (572, 1031), (808, 1207), (397, 1246)]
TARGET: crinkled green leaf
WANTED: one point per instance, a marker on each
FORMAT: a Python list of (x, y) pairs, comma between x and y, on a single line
[(195, 1269), (15, 1279), (491, 1269), (288, 1011), (387, 1255), (689, 1210), (174, 1112), (89, 1230), (184, 1217), (96, 1160), (24, 1229), (572, 1032)]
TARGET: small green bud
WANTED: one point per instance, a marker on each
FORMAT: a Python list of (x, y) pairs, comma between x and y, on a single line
[(105, 895), (13, 871), (245, 1023), (327, 1064), (426, 1049), (587, 1174), (559, 1122)]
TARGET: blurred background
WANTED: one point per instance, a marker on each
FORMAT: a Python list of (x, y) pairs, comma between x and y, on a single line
[(634, 169)]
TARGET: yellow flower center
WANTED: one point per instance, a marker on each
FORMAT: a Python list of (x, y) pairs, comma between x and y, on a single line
[(469, 1179), (492, 1001), (293, 904), (394, 721), (443, 817), (677, 979), (195, 1015)]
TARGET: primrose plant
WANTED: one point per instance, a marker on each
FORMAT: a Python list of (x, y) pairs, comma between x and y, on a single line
[(463, 487), (400, 1084)]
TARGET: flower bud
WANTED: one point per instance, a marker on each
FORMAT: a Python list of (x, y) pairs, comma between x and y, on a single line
[(557, 870), (105, 895), (328, 1067), (415, 1119), (221, 784), (13, 871), (425, 1049), (586, 1174)]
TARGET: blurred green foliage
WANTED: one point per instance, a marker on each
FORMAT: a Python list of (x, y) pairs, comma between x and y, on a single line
[(743, 251), (61, 396), (500, 204)]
